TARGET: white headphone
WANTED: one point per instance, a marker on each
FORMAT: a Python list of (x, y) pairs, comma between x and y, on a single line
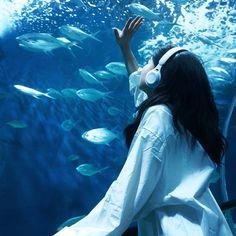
[(153, 77)]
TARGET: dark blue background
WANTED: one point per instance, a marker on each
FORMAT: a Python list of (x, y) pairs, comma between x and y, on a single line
[(40, 187)]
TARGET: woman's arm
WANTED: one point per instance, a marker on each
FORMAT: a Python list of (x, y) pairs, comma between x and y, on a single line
[(124, 37)]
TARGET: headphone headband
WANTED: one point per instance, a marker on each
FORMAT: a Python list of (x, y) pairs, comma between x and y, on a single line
[(153, 77), (167, 55)]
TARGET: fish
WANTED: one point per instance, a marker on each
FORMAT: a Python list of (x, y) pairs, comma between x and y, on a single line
[(217, 79), (228, 60), (117, 68), (18, 124), (113, 111), (141, 10), (41, 42), (31, 92), (89, 77), (69, 92), (76, 34), (89, 170), (69, 44), (233, 51), (73, 157), (54, 93), (91, 94), (99, 136), (102, 74), (207, 40), (165, 26), (70, 222), (68, 125), (211, 35), (220, 71)]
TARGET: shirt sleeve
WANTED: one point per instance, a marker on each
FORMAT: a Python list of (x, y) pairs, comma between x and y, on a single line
[(139, 95), (128, 193)]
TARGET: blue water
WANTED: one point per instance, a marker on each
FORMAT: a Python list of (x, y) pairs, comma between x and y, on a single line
[(40, 187)]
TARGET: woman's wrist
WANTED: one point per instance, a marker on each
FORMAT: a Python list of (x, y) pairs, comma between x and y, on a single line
[(125, 46)]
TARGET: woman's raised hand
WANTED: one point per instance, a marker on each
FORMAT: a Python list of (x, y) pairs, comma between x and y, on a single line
[(124, 36)]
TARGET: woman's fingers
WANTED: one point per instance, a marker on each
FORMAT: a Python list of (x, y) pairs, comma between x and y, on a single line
[(127, 24), (116, 31), (134, 21), (137, 24), (129, 29)]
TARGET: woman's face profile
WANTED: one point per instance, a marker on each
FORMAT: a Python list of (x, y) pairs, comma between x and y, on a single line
[(149, 66)]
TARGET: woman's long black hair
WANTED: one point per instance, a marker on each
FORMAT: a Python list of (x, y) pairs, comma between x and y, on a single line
[(184, 87)]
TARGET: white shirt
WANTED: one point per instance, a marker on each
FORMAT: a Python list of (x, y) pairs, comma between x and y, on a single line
[(163, 185)]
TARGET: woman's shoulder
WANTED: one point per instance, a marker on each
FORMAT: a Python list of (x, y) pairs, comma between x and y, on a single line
[(160, 109), (158, 112), (158, 120)]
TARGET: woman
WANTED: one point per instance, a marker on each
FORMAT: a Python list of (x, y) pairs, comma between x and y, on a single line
[(174, 147)]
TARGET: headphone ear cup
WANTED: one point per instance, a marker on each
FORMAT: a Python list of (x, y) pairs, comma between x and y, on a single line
[(153, 78)]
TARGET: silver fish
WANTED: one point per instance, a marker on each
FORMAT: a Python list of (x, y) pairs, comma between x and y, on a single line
[(233, 51), (68, 125), (220, 71), (75, 33), (69, 92), (99, 136), (31, 92), (89, 170), (113, 111), (211, 35), (91, 94), (89, 77), (141, 10), (165, 26), (18, 124), (102, 74), (118, 68), (73, 157), (228, 60), (69, 44), (41, 42), (207, 40), (54, 93)]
